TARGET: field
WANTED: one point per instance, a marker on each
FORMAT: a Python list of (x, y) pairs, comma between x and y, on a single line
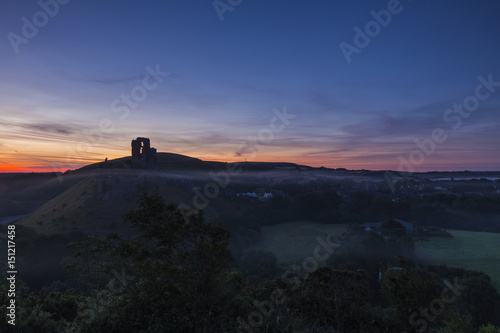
[(292, 242), (467, 249)]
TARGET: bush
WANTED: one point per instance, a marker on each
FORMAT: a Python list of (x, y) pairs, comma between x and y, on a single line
[(489, 329), (257, 263)]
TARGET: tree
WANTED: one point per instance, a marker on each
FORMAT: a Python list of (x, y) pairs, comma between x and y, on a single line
[(409, 289), (457, 323), (38, 312), (338, 298), (392, 228), (480, 299), (171, 242), (178, 267), (374, 246), (308, 206), (259, 264), (489, 329)]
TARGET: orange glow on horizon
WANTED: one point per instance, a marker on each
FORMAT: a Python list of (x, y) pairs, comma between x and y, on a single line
[(9, 168), (348, 162)]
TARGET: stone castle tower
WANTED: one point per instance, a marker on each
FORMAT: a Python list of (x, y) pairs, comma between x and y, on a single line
[(143, 155)]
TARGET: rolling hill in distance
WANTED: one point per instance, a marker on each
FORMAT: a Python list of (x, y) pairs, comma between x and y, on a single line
[(94, 198)]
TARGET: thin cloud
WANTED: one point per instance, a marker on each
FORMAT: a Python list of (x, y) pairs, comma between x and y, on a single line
[(324, 102), (41, 127), (51, 128), (116, 80)]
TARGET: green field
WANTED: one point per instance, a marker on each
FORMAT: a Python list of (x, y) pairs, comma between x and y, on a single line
[(478, 251), (292, 242)]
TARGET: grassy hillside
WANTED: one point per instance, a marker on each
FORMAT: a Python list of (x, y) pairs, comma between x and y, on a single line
[(64, 213), (467, 249), (97, 204), (21, 194)]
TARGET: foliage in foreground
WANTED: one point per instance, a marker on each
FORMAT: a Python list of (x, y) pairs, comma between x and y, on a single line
[(176, 274)]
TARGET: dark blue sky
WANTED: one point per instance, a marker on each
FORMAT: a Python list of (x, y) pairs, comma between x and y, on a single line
[(62, 86)]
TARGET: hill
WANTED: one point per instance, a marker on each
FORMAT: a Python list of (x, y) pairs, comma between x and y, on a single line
[(171, 161), (96, 204), (94, 198), (21, 194)]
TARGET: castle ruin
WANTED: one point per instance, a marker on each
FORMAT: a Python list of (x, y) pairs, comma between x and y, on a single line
[(143, 155)]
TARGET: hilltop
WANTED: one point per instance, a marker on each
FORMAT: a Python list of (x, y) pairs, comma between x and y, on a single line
[(178, 162)]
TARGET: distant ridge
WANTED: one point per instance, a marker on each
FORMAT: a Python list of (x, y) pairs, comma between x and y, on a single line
[(178, 162), (172, 161)]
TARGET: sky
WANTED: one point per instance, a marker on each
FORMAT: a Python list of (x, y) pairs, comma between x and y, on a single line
[(410, 85)]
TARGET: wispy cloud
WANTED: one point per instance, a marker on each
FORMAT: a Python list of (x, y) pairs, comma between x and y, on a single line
[(43, 129), (324, 102), (51, 128), (115, 80)]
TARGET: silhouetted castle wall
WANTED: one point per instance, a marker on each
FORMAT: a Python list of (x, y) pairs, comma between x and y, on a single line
[(143, 155)]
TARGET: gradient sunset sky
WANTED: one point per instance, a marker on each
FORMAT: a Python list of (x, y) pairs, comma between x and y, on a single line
[(62, 86)]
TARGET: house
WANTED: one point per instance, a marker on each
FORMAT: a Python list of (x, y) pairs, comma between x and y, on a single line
[(372, 226), (408, 226)]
